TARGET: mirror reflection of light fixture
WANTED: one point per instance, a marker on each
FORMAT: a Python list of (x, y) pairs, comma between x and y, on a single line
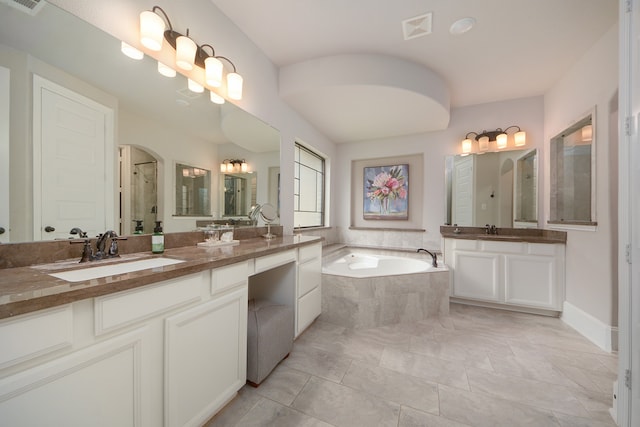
[(215, 98), (165, 70), (587, 133), (153, 32), (498, 135), (195, 86), (233, 166), (131, 51)]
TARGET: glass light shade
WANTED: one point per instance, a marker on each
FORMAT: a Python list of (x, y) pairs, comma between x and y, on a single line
[(215, 98), (244, 167), (234, 85), (587, 133), (213, 71), (501, 141), (229, 167), (520, 138), (165, 70), (466, 146), (131, 51), (195, 86), (223, 167), (151, 30), (185, 172), (185, 52), (483, 143)]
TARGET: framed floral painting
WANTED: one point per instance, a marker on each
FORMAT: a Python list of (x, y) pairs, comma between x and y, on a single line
[(386, 192)]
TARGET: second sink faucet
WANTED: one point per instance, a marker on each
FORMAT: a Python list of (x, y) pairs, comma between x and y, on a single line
[(491, 229)]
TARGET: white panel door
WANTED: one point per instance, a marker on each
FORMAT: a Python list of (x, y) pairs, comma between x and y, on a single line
[(206, 358), (4, 155), (73, 163), (462, 208)]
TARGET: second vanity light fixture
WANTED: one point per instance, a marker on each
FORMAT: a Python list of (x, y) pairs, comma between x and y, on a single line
[(233, 165), (498, 135), (153, 33)]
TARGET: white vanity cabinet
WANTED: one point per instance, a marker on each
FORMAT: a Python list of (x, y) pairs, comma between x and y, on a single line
[(308, 289), (517, 274), (170, 353)]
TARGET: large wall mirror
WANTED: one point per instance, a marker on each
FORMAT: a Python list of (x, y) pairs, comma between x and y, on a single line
[(497, 188), (157, 123)]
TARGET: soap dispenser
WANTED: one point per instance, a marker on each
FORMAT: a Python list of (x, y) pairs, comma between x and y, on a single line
[(139, 227), (157, 239)]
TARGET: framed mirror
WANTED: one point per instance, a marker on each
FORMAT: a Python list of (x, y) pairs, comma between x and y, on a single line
[(152, 112), (240, 194), (497, 188), (193, 191)]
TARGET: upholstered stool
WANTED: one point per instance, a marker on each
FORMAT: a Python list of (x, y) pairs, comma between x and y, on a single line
[(269, 338)]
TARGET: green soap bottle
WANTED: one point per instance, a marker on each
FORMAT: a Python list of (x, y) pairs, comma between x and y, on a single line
[(157, 239)]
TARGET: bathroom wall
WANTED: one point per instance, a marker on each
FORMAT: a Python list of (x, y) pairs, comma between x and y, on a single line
[(434, 147), (593, 81)]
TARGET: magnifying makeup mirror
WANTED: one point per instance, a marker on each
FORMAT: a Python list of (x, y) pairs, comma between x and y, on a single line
[(268, 214)]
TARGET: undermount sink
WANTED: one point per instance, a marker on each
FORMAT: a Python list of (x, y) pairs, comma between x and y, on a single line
[(89, 273)]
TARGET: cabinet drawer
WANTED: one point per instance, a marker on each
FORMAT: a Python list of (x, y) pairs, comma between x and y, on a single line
[(123, 308), (306, 253), (502, 247), (542, 249), (309, 275), (33, 335), (228, 277), (270, 261), (309, 307)]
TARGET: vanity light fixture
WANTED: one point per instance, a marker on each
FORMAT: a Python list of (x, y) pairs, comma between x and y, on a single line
[(194, 86), (215, 98), (153, 32), (165, 70), (498, 135), (233, 166)]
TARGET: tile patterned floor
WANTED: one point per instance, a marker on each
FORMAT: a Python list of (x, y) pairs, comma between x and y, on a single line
[(475, 367)]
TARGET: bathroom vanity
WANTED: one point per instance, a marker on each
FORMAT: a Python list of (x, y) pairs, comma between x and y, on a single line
[(520, 269), (158, 346)]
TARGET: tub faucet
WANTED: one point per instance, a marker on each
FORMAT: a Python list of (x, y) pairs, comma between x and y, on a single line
[(434, 257)]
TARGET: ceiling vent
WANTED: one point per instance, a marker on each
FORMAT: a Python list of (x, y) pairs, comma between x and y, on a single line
[(27, 6), (417, 26)]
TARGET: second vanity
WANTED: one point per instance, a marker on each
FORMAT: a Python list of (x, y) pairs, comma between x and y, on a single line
[(159, 346), (519, 269)]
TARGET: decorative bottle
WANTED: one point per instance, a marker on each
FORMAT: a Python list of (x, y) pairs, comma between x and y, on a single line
[(157, 239)]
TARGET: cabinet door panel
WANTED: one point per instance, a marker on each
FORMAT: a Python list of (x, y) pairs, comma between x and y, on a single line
[(98, 386), (476, 275), (206, 358), (531, 281)]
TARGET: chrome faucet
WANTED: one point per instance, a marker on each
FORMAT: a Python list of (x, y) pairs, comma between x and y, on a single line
[(87, 252), (434, 257), (101, 244), (490, 229)]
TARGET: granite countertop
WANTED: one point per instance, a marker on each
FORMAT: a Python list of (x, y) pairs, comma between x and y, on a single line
[(530, 235), (31, 288)]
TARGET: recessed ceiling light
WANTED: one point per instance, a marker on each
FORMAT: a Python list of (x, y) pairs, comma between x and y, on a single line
[(461, 26)]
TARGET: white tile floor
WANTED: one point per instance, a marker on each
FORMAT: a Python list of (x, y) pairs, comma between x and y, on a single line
[(475, 367)]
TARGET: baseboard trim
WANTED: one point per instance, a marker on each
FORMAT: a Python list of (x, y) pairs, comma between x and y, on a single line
[(603, 335)]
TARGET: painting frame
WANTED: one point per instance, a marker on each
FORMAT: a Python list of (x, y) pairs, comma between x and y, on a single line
[(385, 190)]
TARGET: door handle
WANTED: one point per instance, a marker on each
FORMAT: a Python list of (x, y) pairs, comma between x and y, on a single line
[(49, 229)]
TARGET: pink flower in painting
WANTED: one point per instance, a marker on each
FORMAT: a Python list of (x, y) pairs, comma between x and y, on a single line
[(387, 185)]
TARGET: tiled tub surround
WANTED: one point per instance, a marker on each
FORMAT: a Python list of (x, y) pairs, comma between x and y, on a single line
[(366, 302)]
